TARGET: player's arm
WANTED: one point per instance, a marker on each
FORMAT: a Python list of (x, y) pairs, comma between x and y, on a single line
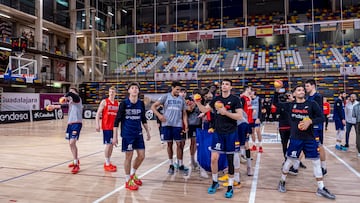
[(154, 108), (98, 114), (144, 122), (202, 108), (119, 117), (318, 116), (185, 120)]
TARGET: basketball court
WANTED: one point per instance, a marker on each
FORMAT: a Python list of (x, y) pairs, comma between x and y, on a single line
[(34, 159)]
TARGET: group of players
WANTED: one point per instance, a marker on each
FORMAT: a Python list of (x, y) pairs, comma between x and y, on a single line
[(231, 118)]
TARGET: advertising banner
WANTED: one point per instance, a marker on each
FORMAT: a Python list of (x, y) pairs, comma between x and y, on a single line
[(14, 116), (50, 98), (12, 101)]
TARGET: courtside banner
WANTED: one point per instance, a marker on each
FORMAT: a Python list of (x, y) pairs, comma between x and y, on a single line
[(11, 101), (50, 98), (42, 115), (14, 116)]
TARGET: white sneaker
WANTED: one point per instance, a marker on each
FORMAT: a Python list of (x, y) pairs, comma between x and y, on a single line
[(203, 173)]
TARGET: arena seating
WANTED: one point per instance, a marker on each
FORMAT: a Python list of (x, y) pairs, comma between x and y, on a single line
[(141, 64)]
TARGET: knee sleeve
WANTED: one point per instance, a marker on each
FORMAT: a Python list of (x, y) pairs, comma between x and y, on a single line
[(248, 154), (317, 168), (236, 160), (288, 163), (230, 159)]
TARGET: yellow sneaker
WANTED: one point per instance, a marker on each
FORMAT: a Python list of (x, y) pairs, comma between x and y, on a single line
[(224, 178), (235, 184)]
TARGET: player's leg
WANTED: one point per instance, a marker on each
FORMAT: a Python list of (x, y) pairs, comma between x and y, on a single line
[(107, 140)]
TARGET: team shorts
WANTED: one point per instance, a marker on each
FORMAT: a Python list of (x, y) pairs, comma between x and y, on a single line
[(132, 143), (339, 125), (243, 132), (170, 134), (73, 131), (309, 147), (225, 143), (108, 136)]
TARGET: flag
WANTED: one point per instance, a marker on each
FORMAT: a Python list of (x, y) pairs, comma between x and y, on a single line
[(297, 29), (264, 31), (346, 25), (328, 27), (281, 29), (207, 35)]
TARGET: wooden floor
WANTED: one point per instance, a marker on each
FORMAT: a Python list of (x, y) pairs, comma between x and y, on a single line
[(34, 158)]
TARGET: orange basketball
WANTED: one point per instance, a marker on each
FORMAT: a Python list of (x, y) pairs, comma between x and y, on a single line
[(197, 97), (62, 100), (211, 130), (49, 108), (218, 104), (278, 84)]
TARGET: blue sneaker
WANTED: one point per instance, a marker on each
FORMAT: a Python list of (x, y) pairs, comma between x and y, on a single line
[(171, 170), (338, 147), (229, 193), (343, 148), (184, 169), (213, 187)]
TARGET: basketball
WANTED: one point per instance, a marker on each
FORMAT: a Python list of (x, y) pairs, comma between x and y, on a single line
[(49, 108), (197, 97), (218, 104), (278, 84), (62, 100)]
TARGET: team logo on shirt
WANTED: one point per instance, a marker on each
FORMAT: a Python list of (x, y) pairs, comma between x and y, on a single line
[(218, 146)]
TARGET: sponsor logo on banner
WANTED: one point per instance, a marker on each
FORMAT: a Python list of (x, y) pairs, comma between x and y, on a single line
[(41, 115), (50, 98), (89, 113), (281, 29), (14, 116)]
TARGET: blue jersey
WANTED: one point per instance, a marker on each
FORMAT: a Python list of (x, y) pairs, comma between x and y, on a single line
[(318, 98), (131, 115), (339, 112)]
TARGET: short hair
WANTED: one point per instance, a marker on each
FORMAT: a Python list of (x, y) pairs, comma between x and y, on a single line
[(74, 88), (297, 86), (112, 88), (196, 91), (175, 84), (227, 80), (133, 84), (311, 82)]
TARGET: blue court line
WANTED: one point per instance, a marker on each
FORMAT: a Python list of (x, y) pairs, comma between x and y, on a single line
[(52, 166)]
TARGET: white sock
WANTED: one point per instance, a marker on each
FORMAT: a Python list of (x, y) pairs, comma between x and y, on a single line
[(133, 171), (180, 162), (107, 161), (171, 162), (75, 161), (283, 177), (237, 176), (231, 181), (320, 184), (215, 177), (127, 177)]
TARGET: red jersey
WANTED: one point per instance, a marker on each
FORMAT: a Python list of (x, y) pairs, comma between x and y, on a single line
[(326, 106), (247, 107), (108, 114)]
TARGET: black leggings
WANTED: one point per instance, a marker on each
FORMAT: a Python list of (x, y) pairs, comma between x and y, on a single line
[(326, 121), (285, 136)]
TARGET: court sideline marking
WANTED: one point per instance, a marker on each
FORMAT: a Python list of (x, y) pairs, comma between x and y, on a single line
[(140, 176), (343, 162), (255, 179)]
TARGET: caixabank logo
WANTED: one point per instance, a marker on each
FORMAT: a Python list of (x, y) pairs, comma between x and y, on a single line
[(43, 115), (14, 116)]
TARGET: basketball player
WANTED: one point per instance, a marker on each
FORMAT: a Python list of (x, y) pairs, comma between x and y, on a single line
[(228, 111), (256, 107), (131, 114), (73, 102), (107, 111), (314, 95), (173, 121), (327, 111), (339, 119), (246, 103), (350, 120), (303, 115)]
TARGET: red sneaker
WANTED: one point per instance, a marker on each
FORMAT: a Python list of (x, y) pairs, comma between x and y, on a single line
[(136, 180), (76, 169), (261, 150), (253, 148), (131, 185), (109, 168), (71, 165)]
